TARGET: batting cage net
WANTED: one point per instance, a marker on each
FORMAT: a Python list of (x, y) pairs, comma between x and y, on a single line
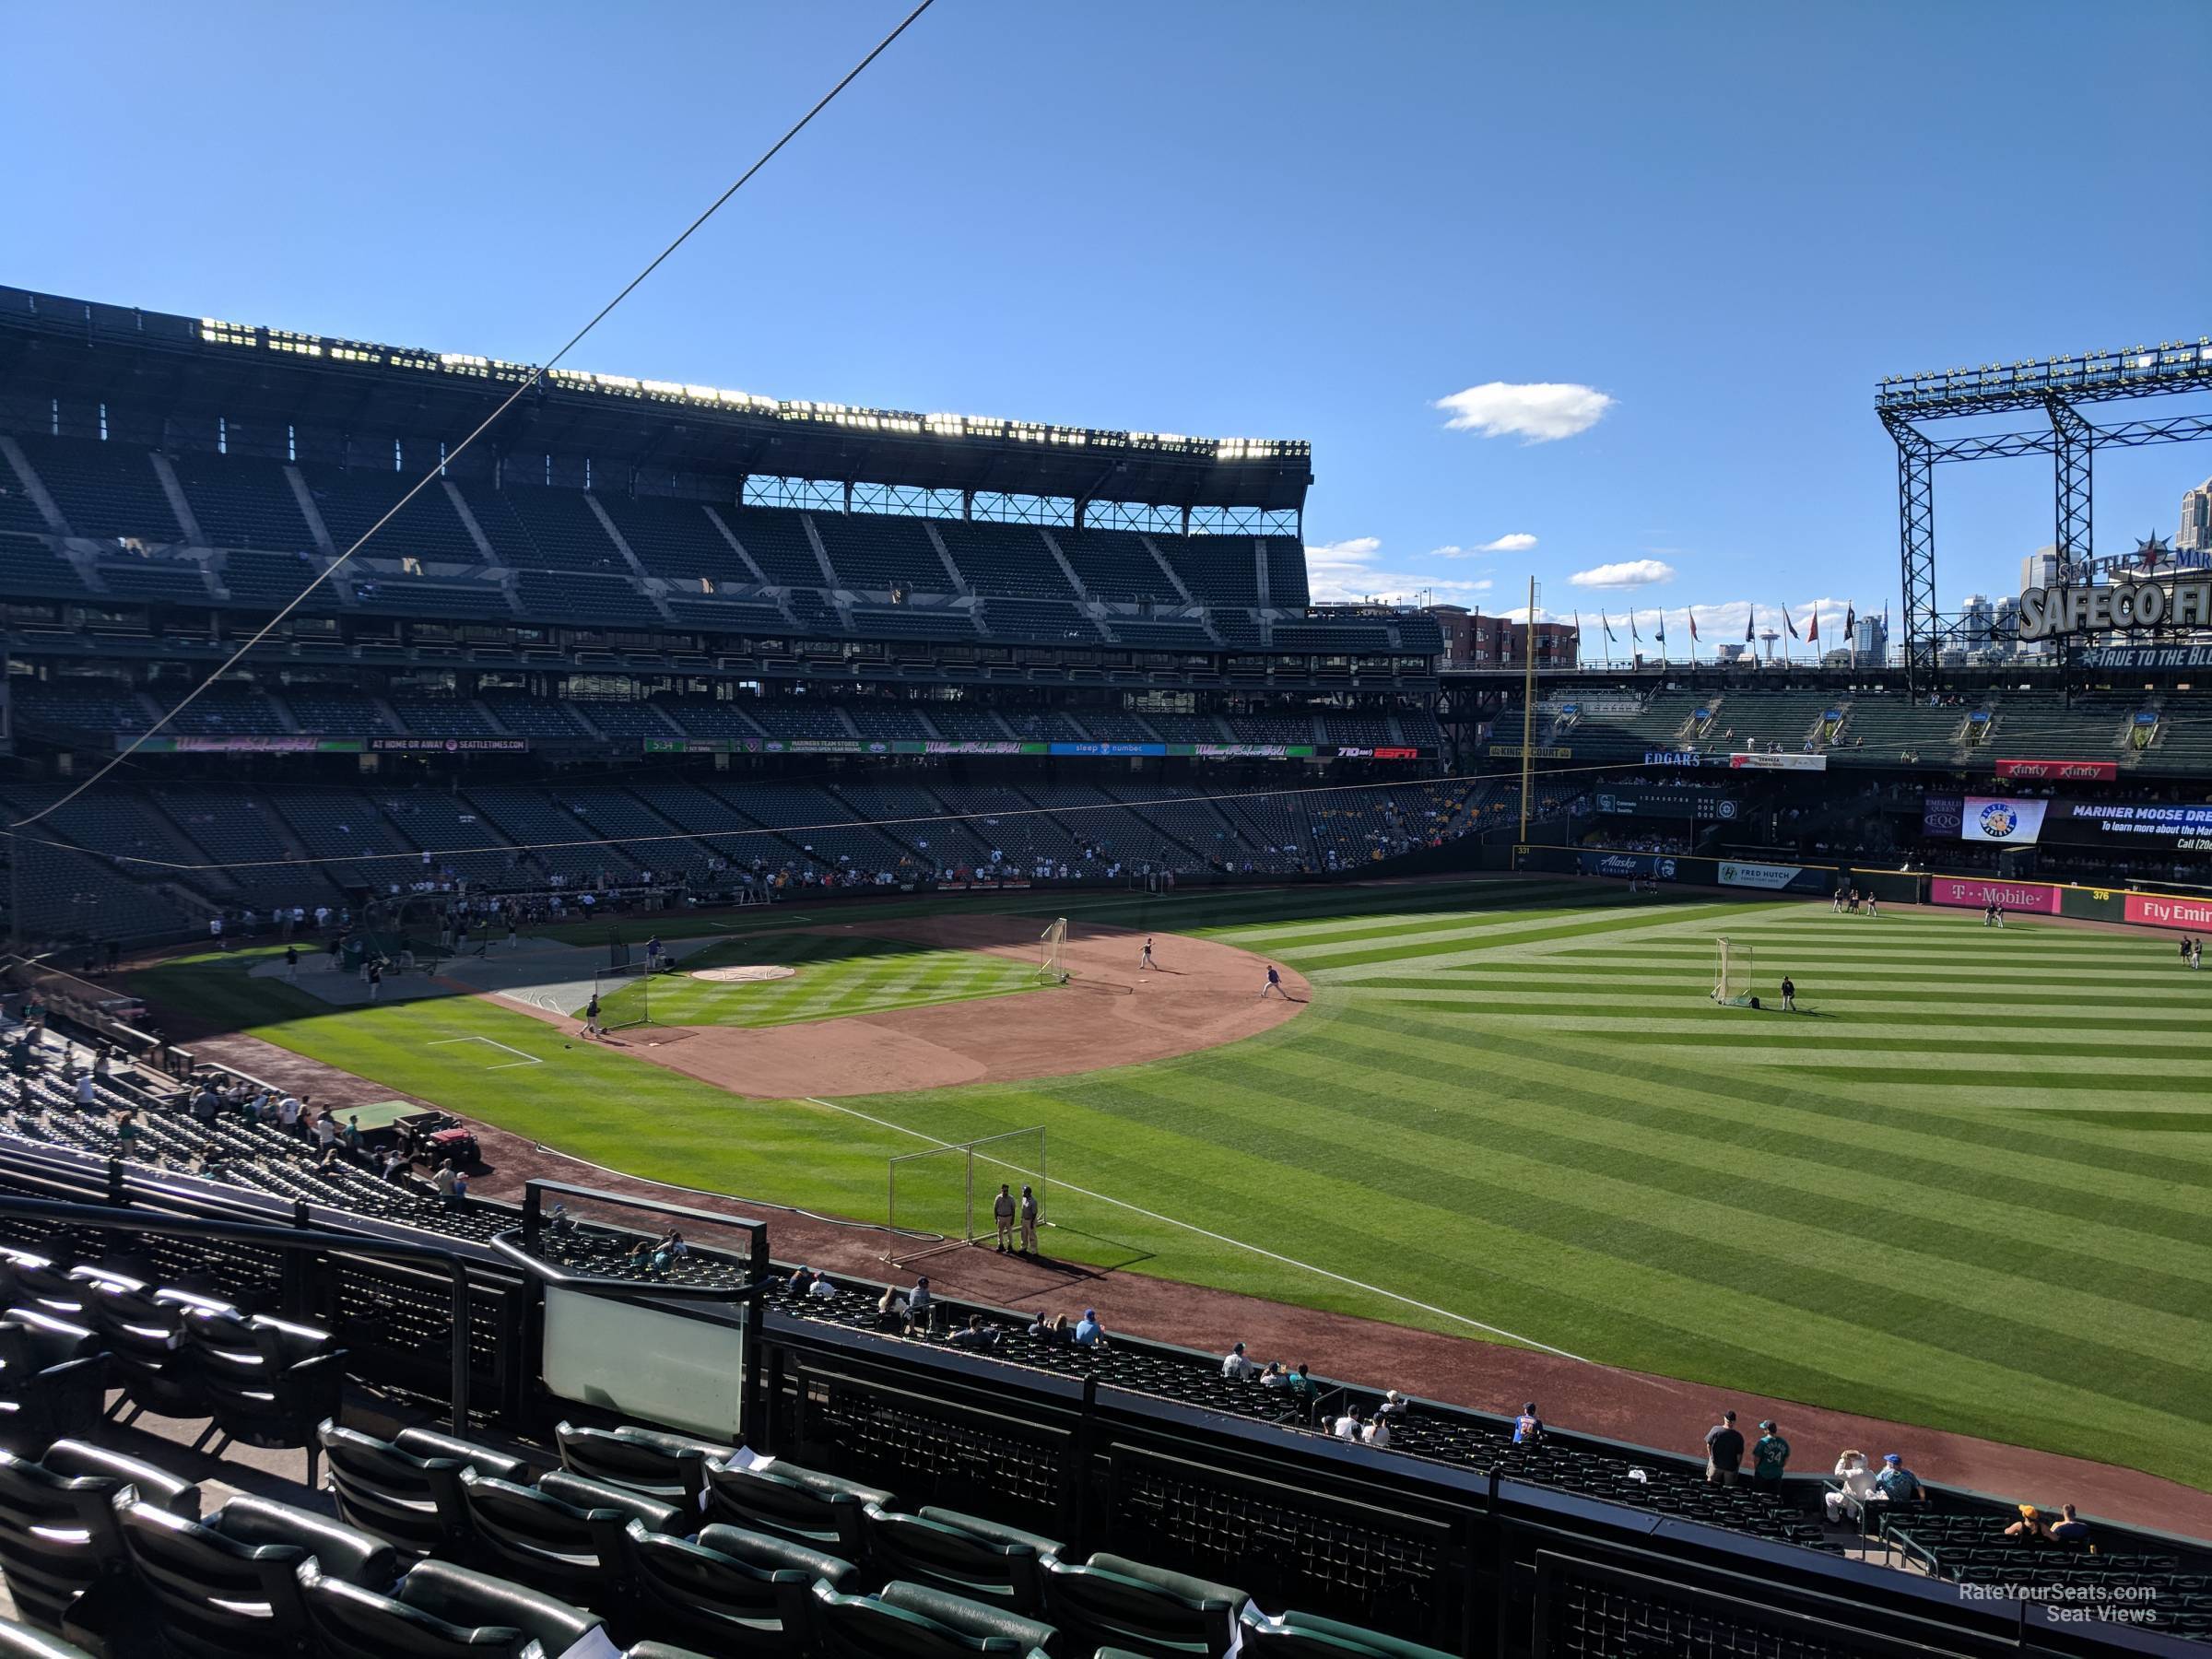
[(944, 1197), (1731, 971), (1052, 969)]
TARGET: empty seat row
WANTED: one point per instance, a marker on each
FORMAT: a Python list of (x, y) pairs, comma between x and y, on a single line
[(782, 1556), (115, 1553), (71, 1333)]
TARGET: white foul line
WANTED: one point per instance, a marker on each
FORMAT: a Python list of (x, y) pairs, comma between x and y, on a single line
[(504, 1064), (1224, 1238)]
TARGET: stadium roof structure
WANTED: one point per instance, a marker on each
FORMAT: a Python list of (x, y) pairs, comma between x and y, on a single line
[(187, 368)]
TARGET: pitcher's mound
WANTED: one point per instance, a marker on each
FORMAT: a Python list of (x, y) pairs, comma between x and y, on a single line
[(743, 976)]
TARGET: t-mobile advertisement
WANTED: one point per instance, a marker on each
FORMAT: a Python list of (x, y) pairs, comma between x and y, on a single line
[(2157, 909), (2037, 897)]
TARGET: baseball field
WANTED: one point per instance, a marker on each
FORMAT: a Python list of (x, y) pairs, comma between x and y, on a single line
[(1964, 1185)]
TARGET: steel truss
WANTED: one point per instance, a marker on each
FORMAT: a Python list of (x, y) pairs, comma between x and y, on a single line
[(1916, 541), (2056, 387)]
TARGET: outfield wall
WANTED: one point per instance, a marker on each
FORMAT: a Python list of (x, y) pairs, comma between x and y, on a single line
[(2189, 912), (1748, 876)]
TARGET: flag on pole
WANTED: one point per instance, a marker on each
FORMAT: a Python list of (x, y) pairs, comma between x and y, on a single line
[(1693, 626), (1632, 633), (1788, 624), (1603, 623), (1812, 628), (1750, 624), (1851, 623), (1663, 626)]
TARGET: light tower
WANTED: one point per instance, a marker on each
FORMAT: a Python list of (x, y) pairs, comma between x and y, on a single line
[(2054, 389)]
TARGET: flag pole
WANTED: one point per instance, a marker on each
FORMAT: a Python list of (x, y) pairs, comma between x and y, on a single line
[(1528, 710)]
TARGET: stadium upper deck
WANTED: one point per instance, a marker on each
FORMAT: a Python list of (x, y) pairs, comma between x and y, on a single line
[(191, 373), (177, 481)]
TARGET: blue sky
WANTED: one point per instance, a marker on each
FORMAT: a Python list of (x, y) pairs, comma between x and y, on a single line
[(1665, 251)]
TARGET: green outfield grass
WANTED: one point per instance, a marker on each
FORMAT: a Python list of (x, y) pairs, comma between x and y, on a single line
[(838, 974), (1965, 1186)]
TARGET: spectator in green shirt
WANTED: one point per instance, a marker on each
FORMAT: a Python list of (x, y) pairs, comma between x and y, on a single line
[(1769, 1454)]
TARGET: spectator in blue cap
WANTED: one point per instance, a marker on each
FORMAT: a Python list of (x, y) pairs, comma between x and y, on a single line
[(1896, 1484)]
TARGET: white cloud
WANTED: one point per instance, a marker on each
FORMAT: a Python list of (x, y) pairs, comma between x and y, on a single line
[(1520, 541), (1629, 573), (1341, 572), (1539, 412)]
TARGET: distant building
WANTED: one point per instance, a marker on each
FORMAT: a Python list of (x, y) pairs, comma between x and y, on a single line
[(1475, 641), (2040, 569), (2195, 533), (2005, 627), (1870, 640), (1977, 620)]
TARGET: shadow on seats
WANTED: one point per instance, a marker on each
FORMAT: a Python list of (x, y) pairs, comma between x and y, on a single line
[(59, 1530), (229, 1585), (1112, 1599), (913, 1621), (407, 1491), (439, 1609), (730, 1588)]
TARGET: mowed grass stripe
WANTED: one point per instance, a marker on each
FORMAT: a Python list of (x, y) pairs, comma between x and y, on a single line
[(1515, 1099), (838, 974), (2157, 1195), (1728, 1285), (1686, 1127)]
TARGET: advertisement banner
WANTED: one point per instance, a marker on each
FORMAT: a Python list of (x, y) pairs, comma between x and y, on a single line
[(450, 745), (2064, 772), (201, 744), (1772, 877), (2159, 910), (2130, 659), (1962, 892), (903, 745), (1647, 866), (2001, 818), (1767, 760), (1940, 816), (2146, 823), (1513, 751)]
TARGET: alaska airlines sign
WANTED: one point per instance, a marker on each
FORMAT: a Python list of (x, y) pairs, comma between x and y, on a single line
[(2121, 606)]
